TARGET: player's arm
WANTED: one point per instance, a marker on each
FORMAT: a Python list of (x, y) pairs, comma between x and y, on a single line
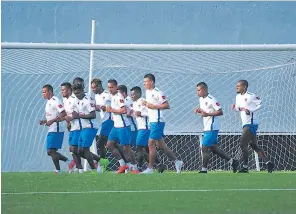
[(257, 101), (236, 105), (143, 111), (217, 110), (91, 108), (121, 110), (164, 103), (62, 113)]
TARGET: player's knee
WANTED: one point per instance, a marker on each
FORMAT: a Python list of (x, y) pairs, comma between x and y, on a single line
[(151, 144), (205, 149), (126, 148), (110, 145), (49, 151)]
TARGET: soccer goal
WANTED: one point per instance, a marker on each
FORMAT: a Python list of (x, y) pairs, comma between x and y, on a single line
[(269, 69)]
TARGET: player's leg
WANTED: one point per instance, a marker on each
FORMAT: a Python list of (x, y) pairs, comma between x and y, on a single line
[(54, 141), (254, 145), (162, 145), (205, 158), (87, 136), (160, 166), (111, 146), (124, 140), (73, 148), (221, 153), (55, 159), (244, 142)]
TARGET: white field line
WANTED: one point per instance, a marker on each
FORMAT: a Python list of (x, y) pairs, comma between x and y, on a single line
[(146, 191)]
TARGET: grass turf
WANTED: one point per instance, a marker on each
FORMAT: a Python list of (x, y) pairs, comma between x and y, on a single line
[(81, 200)]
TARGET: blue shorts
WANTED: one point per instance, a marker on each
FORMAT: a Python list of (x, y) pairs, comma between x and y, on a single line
[(106, 128), (133, 138), (87, 137), (120, 135), (74, 137), (253, 128), (54, 140), (156, 130), (210, 138), (143, 137)]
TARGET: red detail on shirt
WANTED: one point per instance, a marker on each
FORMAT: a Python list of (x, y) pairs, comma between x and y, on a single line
[(218, 104), (60, 106), (163, 97), (92, 105), (122, 101)]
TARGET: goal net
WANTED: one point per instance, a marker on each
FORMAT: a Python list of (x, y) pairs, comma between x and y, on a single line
[(271, 75)]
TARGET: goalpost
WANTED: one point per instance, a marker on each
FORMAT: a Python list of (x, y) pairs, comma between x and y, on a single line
[(270, 70)]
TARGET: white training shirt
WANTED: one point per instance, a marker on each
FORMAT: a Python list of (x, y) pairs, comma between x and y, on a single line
[(52, 110), (117, 102), (248, 101), (155, 97), (209, 104), (104, 99), (70, 105), (142, 121), (132, 118), (85, 107)]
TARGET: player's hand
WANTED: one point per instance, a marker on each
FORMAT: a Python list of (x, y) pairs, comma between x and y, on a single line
[(204, 114), (137, 113), (103, 108), (247, 111), (75, 115), (242, 109), (68, 118), (233, 106), (109, 109), (98, 108), (144, 102), (197, 110), (42, 122)]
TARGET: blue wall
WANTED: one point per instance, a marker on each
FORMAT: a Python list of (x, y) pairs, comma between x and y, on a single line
[(150, 22)]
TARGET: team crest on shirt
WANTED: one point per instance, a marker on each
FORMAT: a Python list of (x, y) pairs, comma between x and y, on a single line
[(122, 101), (246, 99), (206, 103), (103, 98), (60, 106), (92, 105), (163, 97), (218, 104)]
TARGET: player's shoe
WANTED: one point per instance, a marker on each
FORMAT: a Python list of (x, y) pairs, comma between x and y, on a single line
[(57, 172), (179, 164), (96, 164), (99, 169), (147, 171), (133, 171), (234, 165), (71, 166), (122, 169), (80, 171), (243, 170), (203, 171), (270, 167)]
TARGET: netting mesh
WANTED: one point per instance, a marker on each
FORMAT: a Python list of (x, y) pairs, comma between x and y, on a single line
[(271, 75)]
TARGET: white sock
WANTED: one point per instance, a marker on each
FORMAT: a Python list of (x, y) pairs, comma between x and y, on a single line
[(204, 169), (121, 162)]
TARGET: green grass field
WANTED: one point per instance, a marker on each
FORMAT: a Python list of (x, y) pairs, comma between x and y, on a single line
[(216, 192)]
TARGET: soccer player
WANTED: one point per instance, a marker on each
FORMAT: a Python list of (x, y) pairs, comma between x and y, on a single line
[(248, 103), (102, 98), (141, 113), (210, 110), (55, 112), (73, 125), (87, 114), (130, 116), (120, 133), (156, 103)]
